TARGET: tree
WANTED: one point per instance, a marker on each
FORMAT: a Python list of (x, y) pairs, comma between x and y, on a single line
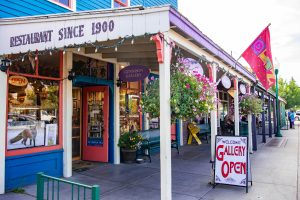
[(290, 91)]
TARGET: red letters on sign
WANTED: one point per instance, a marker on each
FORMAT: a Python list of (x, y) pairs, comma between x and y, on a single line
[(236, 167)]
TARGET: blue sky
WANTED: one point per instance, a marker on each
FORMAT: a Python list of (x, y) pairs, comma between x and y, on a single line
[(234, 24)]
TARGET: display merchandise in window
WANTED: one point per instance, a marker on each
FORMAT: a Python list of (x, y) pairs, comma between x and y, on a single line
[(129, 110), (33, 106)]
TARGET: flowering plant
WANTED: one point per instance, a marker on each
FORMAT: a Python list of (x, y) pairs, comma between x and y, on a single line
[(250, 104), (130, 140), (191, 94)]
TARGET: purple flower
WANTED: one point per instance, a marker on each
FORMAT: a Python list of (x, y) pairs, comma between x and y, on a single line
[(152, 78)]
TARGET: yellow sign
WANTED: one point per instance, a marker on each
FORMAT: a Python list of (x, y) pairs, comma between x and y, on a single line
[(193, 129), (18, 81)]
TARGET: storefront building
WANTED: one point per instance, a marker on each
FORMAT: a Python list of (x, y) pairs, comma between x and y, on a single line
[(64, 98)]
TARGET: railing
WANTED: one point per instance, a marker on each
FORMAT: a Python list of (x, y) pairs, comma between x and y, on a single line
[(48, 183)]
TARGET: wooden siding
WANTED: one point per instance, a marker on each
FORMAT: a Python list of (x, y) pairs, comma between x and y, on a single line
[(20, 8)]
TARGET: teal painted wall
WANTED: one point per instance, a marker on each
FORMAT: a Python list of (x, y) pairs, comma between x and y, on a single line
[(22, 8), (149, 3)]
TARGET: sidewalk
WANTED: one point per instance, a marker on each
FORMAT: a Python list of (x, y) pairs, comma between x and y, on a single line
[(274, 171)]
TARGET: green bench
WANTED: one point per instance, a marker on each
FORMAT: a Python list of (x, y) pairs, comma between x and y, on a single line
[(204, 131), (151, 143), (243, 129)]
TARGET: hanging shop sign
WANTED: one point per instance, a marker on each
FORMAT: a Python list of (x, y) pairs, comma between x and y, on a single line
[(242, 88), (226, 82), (18, 81), (40, 33), (192, 65), (232, 166), (134, 73)]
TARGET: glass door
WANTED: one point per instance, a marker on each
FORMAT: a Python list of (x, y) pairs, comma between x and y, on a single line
[(95, 124)]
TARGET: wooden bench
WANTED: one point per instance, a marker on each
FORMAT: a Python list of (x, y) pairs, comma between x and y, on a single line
[(151, 143)]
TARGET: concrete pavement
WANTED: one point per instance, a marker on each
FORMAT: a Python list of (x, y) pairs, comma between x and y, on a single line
[(274, 170)]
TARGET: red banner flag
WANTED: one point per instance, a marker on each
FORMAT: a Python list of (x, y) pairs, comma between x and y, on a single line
[(259, 57)]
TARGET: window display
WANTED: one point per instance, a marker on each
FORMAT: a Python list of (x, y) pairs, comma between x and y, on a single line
[(32, 107), (33, 102), (130, 108)]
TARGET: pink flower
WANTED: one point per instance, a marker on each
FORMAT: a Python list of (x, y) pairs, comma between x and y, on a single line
[(188, 86), (152, 78)]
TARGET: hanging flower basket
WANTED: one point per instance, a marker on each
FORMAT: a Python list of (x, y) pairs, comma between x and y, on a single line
[(191, 94), (250, 104)]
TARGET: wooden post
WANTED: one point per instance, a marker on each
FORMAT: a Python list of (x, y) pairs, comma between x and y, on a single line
[(213, 114), (236, 108), (269, 116), (67, 113), (3, 115), (117, 116), (263, 121), (254, 140), (165, 126)]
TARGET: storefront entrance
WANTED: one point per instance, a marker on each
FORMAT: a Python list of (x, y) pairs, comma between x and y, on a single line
[(93, 143)]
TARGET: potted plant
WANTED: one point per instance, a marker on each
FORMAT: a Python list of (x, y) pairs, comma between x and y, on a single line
[(129, 143)]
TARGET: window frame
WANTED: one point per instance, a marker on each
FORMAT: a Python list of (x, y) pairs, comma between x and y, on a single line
[(17, 152), (69, 7), (121, 4)]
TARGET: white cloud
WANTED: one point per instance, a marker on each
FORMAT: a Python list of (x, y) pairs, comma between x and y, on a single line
[(234, 24)]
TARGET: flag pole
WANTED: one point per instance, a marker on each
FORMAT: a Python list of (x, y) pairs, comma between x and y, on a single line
[(236, 61)]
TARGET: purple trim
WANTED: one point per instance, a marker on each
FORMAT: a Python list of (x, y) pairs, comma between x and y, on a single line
[(188, 28)]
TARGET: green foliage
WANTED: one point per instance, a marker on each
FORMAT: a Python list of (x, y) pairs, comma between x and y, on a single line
[(191, 95), (130, 140), (250, 104), (290, 91)]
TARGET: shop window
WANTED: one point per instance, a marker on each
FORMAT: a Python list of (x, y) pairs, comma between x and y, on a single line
[(85, 66), (33, 112), (34, 98), (130, 113), (63, 3), (120, 3)]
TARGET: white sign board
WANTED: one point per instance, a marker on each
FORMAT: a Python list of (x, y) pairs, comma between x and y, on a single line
[(231, 163), (58, 31), (51, 134), (193, 66)]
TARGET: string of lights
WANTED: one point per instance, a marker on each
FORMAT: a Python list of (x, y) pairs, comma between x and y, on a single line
[(178, 52)]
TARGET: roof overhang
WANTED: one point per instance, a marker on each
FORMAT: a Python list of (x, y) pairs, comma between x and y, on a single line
[(48, 32), (58, 31), (193, 33)]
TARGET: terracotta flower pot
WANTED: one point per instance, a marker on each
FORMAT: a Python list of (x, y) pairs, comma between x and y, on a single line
[(128, 155)]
